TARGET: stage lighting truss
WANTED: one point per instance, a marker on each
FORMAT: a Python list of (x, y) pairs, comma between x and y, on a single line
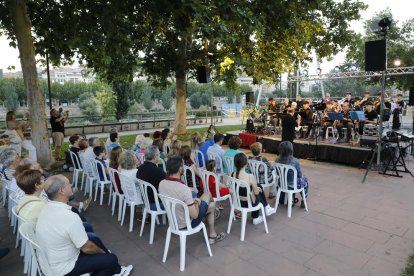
[(353, 74)]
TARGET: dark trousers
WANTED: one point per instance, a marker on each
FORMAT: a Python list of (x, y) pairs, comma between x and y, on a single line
[(97, 264), (260, 198), (348, 126)]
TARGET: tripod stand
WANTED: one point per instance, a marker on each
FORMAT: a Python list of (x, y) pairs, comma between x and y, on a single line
[(316, 131)]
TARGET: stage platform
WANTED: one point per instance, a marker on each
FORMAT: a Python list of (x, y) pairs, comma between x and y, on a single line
[(342, 153)]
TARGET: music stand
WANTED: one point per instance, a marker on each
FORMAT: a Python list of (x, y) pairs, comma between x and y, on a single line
[(333, 116), (357, 115)]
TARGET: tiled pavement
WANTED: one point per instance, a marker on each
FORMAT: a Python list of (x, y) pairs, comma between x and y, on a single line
[(350, 229)]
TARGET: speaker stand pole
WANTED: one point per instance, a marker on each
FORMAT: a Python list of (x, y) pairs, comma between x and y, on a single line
[(212, 126)]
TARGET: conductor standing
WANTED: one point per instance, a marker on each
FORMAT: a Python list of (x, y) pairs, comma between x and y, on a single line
[(288, 125)]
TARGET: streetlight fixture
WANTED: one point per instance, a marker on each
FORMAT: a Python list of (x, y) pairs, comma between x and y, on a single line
[(397, 62), (318, 71), (337, 69)]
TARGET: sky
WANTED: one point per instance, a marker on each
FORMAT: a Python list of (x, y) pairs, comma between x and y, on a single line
[(401, 10)]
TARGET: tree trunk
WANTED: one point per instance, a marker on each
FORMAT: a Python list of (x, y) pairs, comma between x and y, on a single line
[(180, 106), (22, 30)]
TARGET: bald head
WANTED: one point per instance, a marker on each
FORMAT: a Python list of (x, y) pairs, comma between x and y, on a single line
[(55, 184)]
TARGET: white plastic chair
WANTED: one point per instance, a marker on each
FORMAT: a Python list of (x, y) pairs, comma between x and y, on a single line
[(282, 171), (77, 169), (39, 261), (145, 186), (228, 165), (5, 186), (333, 131), (199, 156), (132, 197), (219, 161), (88, 166), (25, 250), (205, 176), (193, 178), (171, 205), (236, 185), (116, 193), (101, 183), (255, 167)]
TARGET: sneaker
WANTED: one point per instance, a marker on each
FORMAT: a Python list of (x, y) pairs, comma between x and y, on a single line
[(125, 270), (258, 220), (86, 203), (302, 204), (269, 210)]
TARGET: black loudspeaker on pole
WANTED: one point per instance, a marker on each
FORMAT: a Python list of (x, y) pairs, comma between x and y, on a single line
[(411, 96), (203, 74), (249, 98), (375, 55)]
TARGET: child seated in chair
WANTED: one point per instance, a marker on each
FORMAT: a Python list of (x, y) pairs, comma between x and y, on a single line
[(224, 190), (100, 156)]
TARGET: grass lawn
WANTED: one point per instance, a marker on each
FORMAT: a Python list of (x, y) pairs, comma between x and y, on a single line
[(128, 140), (409, 269)]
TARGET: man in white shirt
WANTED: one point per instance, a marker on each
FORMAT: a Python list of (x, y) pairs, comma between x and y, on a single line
[(62, 236), (199, 208), (217, 149)]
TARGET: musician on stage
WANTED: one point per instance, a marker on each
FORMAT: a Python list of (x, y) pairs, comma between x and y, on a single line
[(273, 108), (299, 101), (335, 106), (285, 105), (325, 122), (288, 125), (365, 99), (371, 116), (345, 123), (357, 104), (349, 100), (396, 123), (327, 98), (307, 118)]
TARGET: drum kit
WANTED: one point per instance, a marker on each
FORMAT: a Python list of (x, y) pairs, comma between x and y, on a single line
[(260, 121)]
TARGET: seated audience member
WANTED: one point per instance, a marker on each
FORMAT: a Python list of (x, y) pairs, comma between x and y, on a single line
[(11, 160), (32, 183), (150, 172), (114, 137), (100, 156), (145, 143), (234, 145), (88, 154), (174, 148), (114, 164), (205, 146), (157, 135), (128, 163), (28, 164), (256, 149), (216, 148), (223, 189), (196, 141), (137, 145), (158, 143), (74, 142), (166, 136), (286, 157), (185, 153), (199, 208), (257, 195), (66, 244)]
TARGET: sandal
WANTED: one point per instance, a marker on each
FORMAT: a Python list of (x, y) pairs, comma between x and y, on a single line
[(217, 238), (237, 215), (220, 207)]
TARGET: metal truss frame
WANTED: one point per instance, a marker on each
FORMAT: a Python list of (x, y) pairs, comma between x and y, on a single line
[(353, 74)]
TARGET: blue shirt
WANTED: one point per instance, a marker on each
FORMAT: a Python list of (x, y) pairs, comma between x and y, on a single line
[(295, 163), (204, 147)]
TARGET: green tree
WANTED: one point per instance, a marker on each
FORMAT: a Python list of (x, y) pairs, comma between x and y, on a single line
[(11, 101), (166, 99), (107, 100), (91, 108), (123, 92), (195, 101), (147, 100)]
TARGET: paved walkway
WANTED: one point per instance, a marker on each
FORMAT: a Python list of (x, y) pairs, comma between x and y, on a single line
[(350, 229)]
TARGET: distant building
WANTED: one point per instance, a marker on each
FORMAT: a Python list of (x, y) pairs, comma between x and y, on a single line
[(60, 75)]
